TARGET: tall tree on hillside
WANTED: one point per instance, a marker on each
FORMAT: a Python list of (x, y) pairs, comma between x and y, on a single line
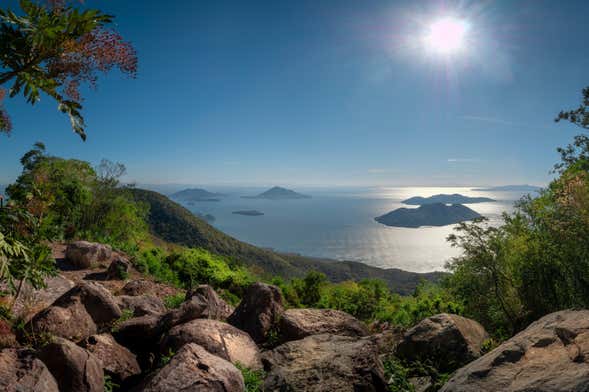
[(52, 47)]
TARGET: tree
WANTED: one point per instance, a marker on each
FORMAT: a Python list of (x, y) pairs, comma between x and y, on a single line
[(53, 48)]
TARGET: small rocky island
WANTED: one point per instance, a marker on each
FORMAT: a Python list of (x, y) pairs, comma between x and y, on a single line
[(438, 214), (196, 194), (446, 199), (278, 193), (248, 212)]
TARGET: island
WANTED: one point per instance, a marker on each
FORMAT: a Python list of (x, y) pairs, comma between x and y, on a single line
[(446, 199), (278, 193), (510, 188), (248, 213), (438, 214), (196, 194)]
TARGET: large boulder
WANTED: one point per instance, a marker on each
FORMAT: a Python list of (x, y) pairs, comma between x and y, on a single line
[(214, 306), (72, 322), (324, 363), (551, 355), (259, 311), (84, 254), (141, 305), (216, 337), (74, 368), (300, 323), (195, 369), (139, 287), (203, 302), (118, 269), (139, 334), (20, 371), (32, 300), (98, 301), (118, 362), (447, 340)]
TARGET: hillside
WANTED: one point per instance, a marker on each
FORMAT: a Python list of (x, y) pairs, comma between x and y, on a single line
[(446, 199), (174, 223), (278, 193), (428, 215)]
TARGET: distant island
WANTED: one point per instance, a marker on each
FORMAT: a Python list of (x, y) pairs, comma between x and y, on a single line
[(248, 213), (278, 193), (446, 199), (510, 188), (438, 214), (196, 194)]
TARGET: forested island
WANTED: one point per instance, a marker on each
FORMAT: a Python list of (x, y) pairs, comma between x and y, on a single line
[(437, 214), (278, 193), (446, 199)]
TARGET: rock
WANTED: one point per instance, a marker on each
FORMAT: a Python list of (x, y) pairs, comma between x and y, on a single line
[(300, 323), (195, 369), (75, 369), (139, 334), (258, 312), (551, 355), (84, 254), (216, 308), (118, 269), (387, 340), (324, 363), (7, 337), (20, 371), (447, 340), (216, 337), (33, 300), (72, 322), (117, 361), (141, 305), (139, 287), (98, 301), (203, 302), (421, 384)]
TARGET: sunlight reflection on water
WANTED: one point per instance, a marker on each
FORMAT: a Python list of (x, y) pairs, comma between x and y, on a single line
[(339, 224)]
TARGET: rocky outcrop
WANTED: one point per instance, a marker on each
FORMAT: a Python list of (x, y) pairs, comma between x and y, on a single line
[(551, 355), (447, 340), (139, 287), (72, 322), (117, 361), (216, 337), (20, 371), (141, 305), (31, 300), (195, 369), (203, 302), (324, 363), (299, 323), (118, 269), (74, 369), (84, 254), (97, 300), (259, 311)]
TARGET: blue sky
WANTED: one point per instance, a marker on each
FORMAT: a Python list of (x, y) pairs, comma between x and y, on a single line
[(326, 93)]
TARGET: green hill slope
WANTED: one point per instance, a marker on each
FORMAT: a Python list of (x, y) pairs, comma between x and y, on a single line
[(173, 223)]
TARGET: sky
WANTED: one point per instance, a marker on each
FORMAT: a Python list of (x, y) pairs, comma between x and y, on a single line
[(324, 93)]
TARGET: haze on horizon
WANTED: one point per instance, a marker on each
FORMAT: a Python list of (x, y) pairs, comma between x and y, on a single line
[(332, 93)]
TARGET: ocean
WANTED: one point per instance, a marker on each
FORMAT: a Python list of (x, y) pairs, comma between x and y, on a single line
[(339, 224)]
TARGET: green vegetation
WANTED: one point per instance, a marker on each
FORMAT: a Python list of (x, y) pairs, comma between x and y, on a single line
[(48, 47), (126, 315), (253, 379), (174, 301)]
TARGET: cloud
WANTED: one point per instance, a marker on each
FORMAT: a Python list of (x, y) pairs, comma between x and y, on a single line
[(498, 121), (463, 160)]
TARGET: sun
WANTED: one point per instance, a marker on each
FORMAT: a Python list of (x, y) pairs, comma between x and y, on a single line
[(446, 36)]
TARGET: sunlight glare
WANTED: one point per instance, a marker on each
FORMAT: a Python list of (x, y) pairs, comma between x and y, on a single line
[(446, 36)]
